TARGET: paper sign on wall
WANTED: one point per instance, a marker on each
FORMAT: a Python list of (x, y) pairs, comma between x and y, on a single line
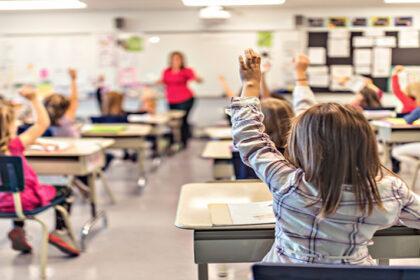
[(317, 55), (381, 62), (362, 57), (318, 76), (337, 72), (338, 47), (408, 39)]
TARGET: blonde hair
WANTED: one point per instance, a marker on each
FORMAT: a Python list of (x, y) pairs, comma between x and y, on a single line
[(335, 145), (113, 103), (56, 105), (277, 120), (413, 89), (7, 117)]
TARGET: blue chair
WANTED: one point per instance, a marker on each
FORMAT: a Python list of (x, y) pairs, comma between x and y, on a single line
[(12, 181), (332, 272), (242, 171), (109, 119), (22, 128)]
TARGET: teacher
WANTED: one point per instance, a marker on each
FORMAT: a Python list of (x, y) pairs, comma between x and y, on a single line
[(178, 95)]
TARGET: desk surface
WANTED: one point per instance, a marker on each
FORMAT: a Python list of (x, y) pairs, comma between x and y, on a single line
[(379, 124), (219, 132), (76, 147), (132, 130), (192, 210), (218, 150)]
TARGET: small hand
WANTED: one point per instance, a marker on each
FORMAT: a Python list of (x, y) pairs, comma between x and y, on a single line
[(250, 72), (301, 63), (28, 92), (397, 69), (73, 73)]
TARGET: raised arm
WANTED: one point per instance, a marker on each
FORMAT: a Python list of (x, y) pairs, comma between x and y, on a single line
[(74, 96), (255, 147), (42, 121), (226, 88), (405, 100), (410, 202), (303, 97)]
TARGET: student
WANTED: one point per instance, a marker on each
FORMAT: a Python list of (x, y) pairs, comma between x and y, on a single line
[(331, 194), (410, 98), (35, 194), (62, 110), (367, 94)]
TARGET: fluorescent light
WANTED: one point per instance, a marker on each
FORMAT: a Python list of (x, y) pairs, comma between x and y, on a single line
[(202, 3), (401, 1), (41, 5), (214, 12)]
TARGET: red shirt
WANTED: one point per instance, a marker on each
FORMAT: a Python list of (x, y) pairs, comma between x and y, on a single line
[(409, 103), (176, 83), (35, 194)]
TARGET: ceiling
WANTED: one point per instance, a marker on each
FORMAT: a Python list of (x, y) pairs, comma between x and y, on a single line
[(177, 4)]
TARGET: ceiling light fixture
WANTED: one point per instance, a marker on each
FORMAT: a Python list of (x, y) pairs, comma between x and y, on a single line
[(203, 3), (41, 5), (214, 12), (401, 1)]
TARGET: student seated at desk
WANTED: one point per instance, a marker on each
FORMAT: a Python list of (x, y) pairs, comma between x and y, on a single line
[(35, 194), (410, 97), (367, 94), (331, 193)]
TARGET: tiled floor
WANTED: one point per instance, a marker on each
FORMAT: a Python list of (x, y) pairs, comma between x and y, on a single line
[(141, 241)]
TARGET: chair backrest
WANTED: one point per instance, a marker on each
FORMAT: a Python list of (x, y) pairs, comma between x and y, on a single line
[(332, 272), (109, 119), (22, 128), (11, 174), (241, 170)]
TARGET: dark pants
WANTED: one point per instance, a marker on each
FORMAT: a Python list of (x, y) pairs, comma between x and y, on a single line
[(59, 219), (185, 128)]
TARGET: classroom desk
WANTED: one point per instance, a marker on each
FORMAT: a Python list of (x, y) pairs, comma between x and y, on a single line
[(133, 137), (390, 134), (221, 154), (250, 243), (219, 133), (379, 114), (83, 157)]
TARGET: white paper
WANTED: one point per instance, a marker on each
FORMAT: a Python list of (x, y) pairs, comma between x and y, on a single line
[(318, 76), (317, 55), (374, 32), (252, 213), (338, 71), (356, 83), (408, 38), (363, 70), (388, 42), (378, 114), (360, 42), (381, 62), (362, 57), (339, 33), (49, 145), (338, 47)]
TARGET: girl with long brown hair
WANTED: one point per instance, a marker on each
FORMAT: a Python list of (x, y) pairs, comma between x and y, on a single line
[(331, 193)]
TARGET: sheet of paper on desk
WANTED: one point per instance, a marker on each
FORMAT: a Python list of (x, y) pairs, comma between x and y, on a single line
[(104, 128), (338, 47), (252, 213), (317, 56), (362, 57), (49, 145), (139, 117), (408, 38), (381, 62)]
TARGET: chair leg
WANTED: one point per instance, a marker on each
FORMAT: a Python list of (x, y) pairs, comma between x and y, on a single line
[(416, 173), (66, 218), (43, 254), (106, 186)]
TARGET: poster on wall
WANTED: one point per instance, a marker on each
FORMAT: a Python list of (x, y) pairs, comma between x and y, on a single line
[(359, 22), (334, 22), (265, 39), (381, 62), (380, 21), (316, 22), (408, 38), (403, 21), (337, 72)]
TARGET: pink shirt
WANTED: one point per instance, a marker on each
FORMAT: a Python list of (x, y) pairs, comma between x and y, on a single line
[(35, 194), (176, 83)]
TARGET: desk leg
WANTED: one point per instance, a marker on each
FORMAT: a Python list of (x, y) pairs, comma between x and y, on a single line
[(157, 159), (96, 216), (142, 181), (203, 271)]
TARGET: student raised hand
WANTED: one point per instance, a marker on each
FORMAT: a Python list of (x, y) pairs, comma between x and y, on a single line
[(301, 63), (73, 74), (28, 92), (250, 71), (74, 95), (397, 70)]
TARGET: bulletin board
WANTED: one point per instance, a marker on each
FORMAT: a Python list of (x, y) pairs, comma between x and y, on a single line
[(400, 56)]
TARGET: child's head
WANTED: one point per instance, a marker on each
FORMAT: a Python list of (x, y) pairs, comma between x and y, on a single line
[(277, 120), (335, 146), (7, 124), (148, 101), (114, 103), (56, 105), (369, 98), (413, 90)]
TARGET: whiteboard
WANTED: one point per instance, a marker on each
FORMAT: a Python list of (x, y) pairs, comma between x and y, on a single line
[(210, 53)]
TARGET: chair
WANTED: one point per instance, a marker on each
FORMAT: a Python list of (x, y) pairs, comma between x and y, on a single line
[(332, 272), (22, 128), (242, 171), (12, 181)]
